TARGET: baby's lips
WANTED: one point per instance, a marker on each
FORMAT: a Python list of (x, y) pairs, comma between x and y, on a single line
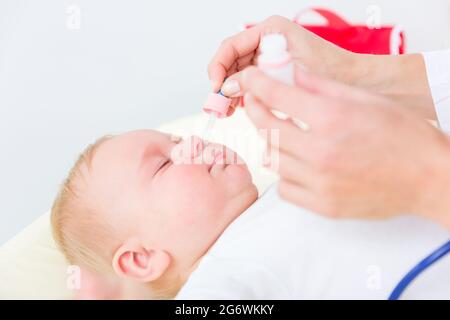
[(218, 154)]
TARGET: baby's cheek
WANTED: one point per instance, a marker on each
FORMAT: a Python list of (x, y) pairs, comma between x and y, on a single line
[(237, 177), (196, 196), (196, 212)]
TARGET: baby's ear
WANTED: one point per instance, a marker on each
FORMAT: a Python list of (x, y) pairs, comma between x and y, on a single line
[(134, 261), (97, 287)]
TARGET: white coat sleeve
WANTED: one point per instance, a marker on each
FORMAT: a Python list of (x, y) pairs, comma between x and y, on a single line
[(438, 72)]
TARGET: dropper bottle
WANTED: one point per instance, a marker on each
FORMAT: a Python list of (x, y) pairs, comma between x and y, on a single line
[(276, 62), (216, 106), (275, 59)]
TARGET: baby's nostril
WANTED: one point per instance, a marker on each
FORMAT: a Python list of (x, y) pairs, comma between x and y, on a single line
[(199, 147), (196, 146)]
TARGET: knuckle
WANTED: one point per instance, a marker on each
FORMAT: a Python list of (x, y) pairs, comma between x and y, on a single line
[(331, 123), (276, 19), (252, 72), (327, 188), (226, 42), (326, 159), (335, 117)]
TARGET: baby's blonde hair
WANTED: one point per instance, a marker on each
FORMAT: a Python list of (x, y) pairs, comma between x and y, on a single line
[(85, 239), (76, 227)]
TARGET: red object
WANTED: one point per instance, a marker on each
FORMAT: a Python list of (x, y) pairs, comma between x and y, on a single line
[(386, 39)]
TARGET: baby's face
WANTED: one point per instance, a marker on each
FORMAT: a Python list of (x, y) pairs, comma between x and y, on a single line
[(156, 188)]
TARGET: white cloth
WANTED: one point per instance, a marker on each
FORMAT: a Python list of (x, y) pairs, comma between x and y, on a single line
[(438, 72), (276, 250)]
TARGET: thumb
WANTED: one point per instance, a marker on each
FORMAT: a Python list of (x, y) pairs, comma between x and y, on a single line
[(231, 87)]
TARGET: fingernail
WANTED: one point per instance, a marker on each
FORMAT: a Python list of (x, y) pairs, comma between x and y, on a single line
[(230, 88), (301, 124)]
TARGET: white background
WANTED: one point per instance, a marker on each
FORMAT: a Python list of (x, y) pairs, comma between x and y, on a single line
[(132, 64)]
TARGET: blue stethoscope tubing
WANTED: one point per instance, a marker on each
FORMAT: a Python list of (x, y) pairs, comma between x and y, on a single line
[(418, 269)]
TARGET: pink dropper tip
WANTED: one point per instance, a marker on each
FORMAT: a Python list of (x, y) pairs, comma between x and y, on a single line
[(218, 103)]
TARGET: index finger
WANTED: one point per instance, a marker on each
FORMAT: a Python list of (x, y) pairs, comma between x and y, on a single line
[(231, 49), (244, 43), (293, 101)]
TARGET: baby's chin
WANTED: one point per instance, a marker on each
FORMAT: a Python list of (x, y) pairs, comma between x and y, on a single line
[(232, 171), (237, 178)]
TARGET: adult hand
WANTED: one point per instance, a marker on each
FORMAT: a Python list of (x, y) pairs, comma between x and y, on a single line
[(308, 50), (400, 77), (362, 156)]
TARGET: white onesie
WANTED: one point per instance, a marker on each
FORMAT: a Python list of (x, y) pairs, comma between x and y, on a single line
[(276, 250)]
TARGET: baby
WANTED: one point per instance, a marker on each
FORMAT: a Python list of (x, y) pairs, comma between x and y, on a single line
[(147, 206), (164, 217)]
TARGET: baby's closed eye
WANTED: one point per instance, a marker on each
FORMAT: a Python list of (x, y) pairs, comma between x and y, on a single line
[(163, 164)]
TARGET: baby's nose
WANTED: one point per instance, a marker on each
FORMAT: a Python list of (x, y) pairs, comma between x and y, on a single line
[(189, 149), (195, 145)]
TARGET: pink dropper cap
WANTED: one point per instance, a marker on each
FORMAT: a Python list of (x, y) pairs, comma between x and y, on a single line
[(217, 103)]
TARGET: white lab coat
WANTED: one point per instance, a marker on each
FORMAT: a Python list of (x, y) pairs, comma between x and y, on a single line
[(438, 72)]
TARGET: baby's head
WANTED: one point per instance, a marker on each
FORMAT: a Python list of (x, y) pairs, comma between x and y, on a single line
[(146, 206)]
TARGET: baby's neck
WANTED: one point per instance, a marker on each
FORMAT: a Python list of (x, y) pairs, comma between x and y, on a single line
[(234, 209)]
